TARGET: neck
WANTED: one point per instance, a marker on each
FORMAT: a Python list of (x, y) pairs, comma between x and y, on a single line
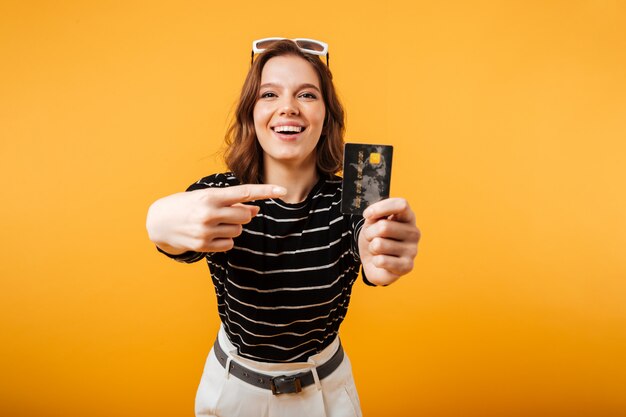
[(299, 181)]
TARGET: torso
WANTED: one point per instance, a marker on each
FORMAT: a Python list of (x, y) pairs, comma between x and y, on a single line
[(284, 289)]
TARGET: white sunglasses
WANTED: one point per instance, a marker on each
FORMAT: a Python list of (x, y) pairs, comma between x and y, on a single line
[(310, 46)]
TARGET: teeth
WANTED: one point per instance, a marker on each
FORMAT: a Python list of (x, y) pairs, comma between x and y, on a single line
[(288, 129)]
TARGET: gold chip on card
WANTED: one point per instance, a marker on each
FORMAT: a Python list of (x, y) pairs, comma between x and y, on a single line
[(374, 158)]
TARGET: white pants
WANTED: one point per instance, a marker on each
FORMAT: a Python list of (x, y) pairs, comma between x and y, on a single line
[(224, 395)]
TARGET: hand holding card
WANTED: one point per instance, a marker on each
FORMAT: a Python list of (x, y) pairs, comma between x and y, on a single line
[(366, 176)]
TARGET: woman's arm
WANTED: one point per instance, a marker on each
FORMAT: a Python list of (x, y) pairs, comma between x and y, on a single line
[(204, 220)]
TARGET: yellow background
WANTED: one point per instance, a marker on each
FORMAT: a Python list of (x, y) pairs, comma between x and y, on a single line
[(508, 122)]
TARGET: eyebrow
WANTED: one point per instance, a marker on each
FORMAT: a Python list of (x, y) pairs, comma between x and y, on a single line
[(300, 87)]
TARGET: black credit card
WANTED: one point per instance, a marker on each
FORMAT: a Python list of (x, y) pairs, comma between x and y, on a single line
[(366, 176)]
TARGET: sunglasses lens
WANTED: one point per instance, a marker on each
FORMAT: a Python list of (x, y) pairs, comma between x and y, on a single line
[(264, 44), (311, 46)]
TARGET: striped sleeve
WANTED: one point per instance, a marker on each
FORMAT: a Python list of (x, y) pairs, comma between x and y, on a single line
[(185, 257)]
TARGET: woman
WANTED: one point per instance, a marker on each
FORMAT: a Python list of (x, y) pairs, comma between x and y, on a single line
[(282, 257)]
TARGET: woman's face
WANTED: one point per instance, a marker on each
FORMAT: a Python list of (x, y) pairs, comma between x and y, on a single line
[(289, 112)]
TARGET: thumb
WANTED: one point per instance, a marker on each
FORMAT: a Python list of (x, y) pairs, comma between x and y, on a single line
[(367, 223), (254, 210)]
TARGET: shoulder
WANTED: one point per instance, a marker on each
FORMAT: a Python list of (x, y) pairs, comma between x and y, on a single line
[(220, 180), (331, 185)]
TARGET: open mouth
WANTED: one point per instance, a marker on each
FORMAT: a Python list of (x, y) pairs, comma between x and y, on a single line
[(288, 130)]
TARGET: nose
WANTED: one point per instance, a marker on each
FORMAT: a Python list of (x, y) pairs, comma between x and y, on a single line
[(289, 107)]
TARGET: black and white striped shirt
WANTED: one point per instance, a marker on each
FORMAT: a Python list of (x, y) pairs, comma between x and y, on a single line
[(284, 288)]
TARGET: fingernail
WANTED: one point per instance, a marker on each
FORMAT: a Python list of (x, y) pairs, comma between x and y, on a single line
[(279, 190)]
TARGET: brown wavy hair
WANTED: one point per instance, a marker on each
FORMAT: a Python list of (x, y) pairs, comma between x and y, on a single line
[(244, 155)]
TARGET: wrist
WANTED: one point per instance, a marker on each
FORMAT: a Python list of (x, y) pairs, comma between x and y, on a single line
[(170, 250)]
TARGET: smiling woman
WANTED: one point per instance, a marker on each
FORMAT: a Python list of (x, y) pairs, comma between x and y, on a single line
[(282, 256), (244, 155)]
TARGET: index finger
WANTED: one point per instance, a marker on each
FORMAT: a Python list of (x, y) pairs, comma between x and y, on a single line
[(247, 192), (398, 207)]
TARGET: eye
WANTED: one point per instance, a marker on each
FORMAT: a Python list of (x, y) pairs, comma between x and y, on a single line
[(268, 94), (308, 95)]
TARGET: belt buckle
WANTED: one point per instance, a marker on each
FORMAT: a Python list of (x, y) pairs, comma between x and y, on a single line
[(286, 384)]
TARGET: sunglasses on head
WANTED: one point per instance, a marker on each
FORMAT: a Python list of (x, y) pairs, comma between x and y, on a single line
[(309, 46)]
